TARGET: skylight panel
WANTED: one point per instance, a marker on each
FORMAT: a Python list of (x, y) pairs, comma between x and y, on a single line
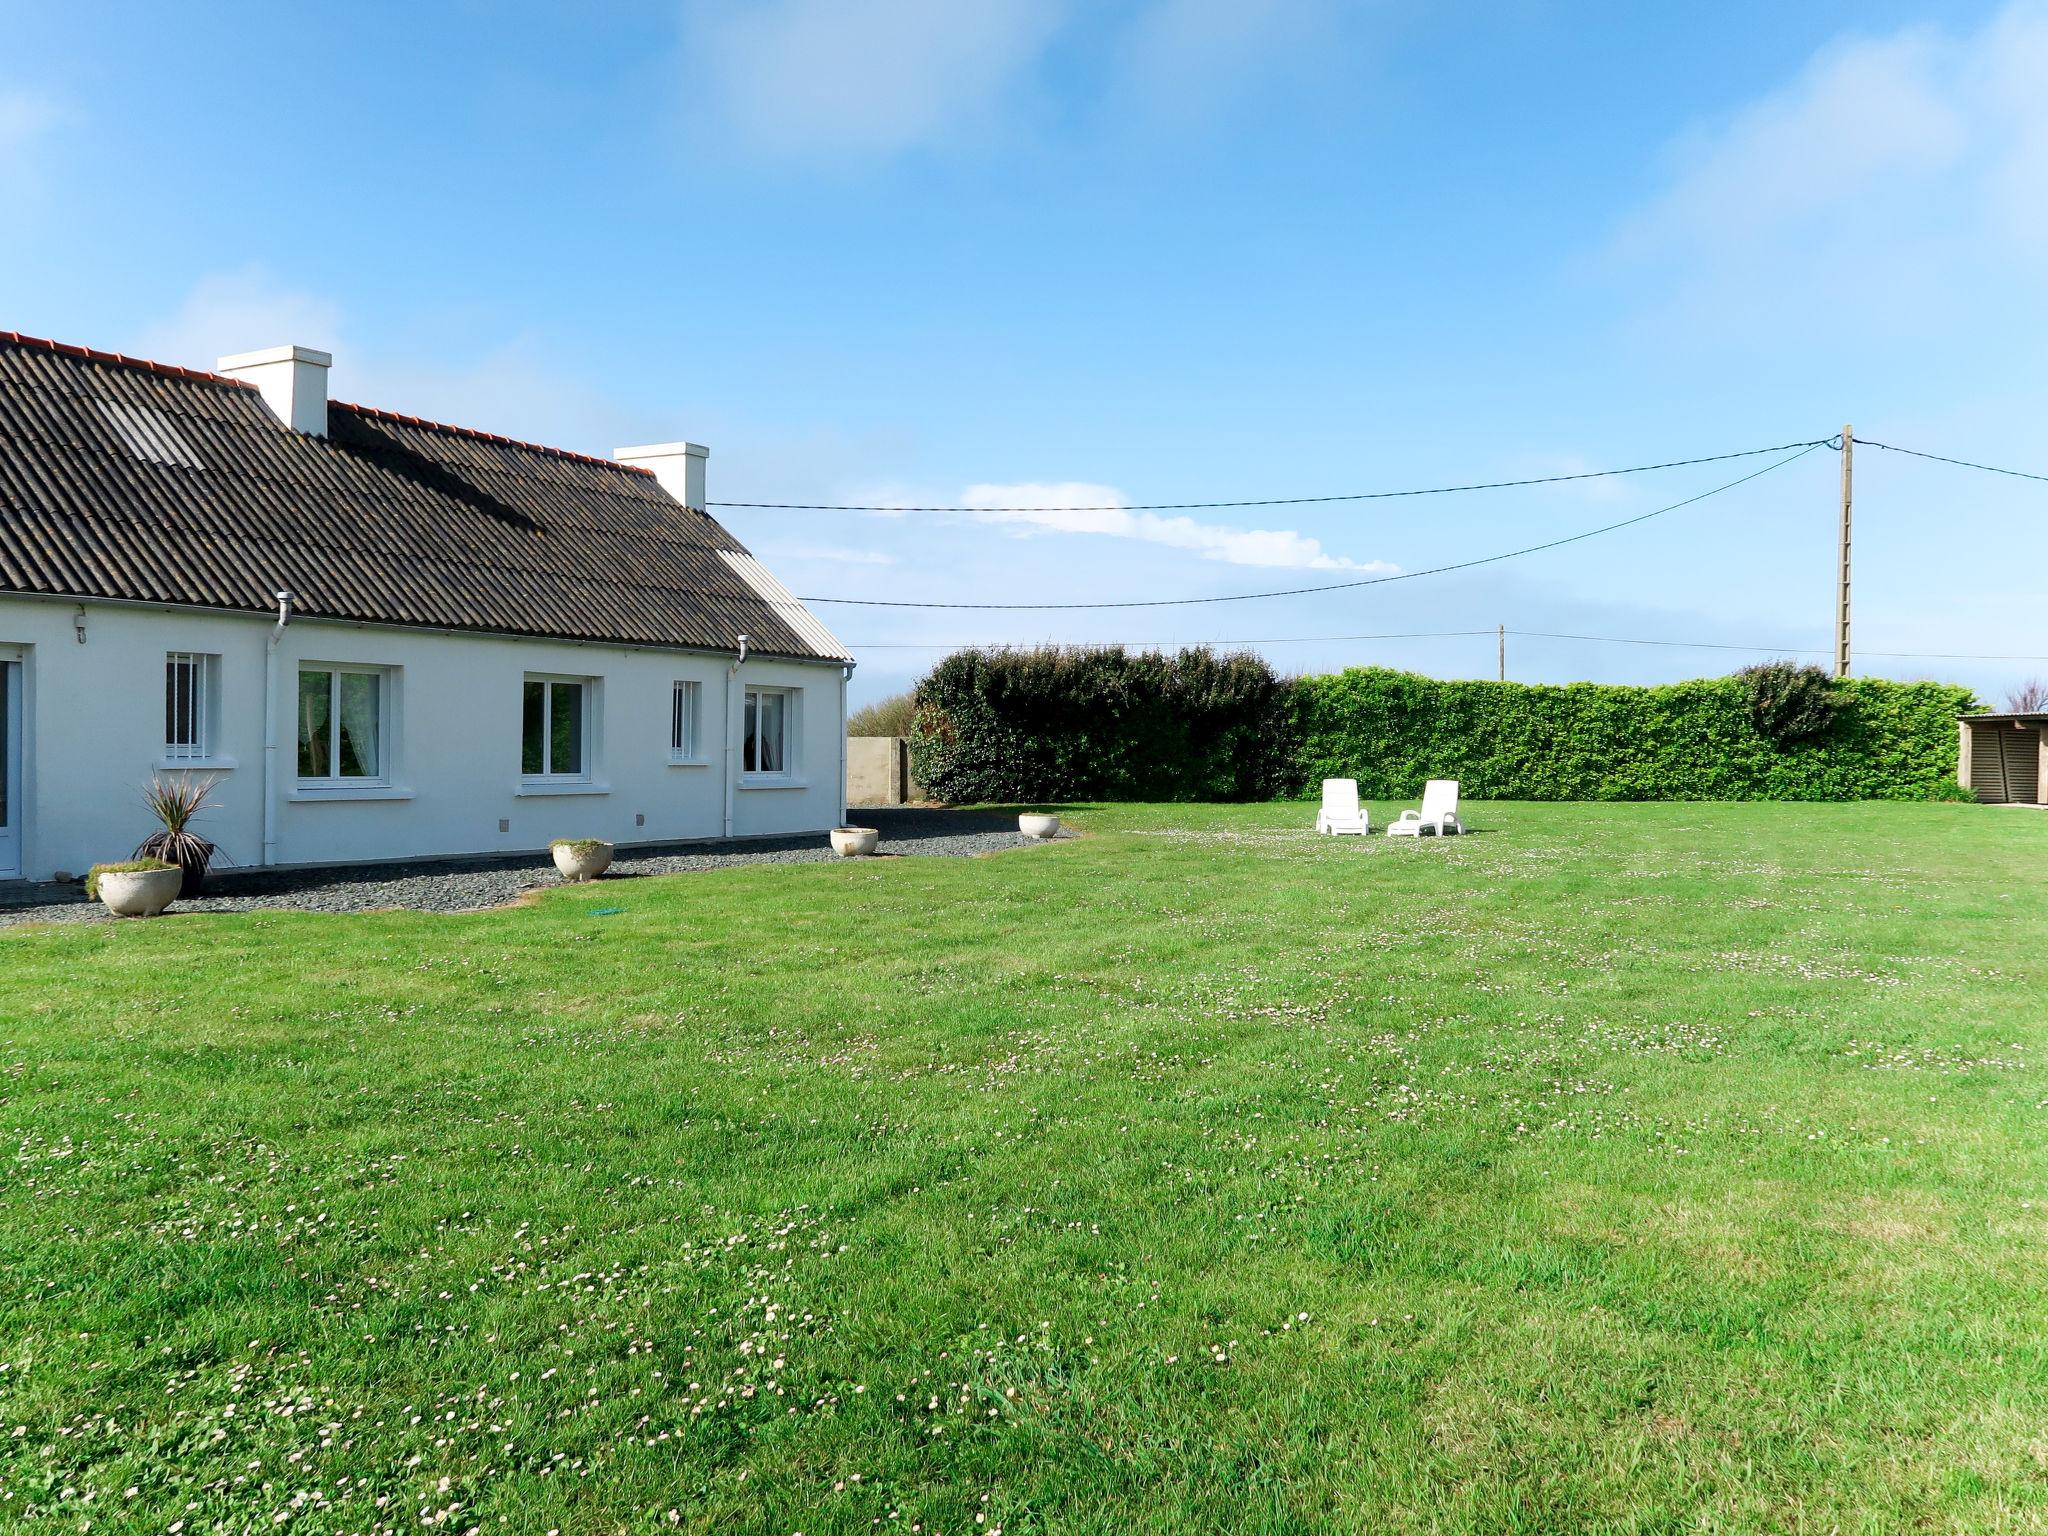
[(794, 613), (149, 434)]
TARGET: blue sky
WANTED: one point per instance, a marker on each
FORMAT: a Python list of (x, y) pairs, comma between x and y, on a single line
[(1043, 253)]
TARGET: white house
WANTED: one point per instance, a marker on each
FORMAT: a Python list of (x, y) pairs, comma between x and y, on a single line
[(386, 638)]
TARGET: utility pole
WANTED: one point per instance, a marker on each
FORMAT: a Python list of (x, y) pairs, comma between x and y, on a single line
[(1842, 577), (1503, 653)]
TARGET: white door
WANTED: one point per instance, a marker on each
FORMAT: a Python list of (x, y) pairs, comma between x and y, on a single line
[(10, 769)]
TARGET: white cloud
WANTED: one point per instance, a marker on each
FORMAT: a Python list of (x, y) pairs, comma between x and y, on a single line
[(1899, 175), (25, 116), (238, 312), (1601, 489), (1860, 118), (1076, 507), (1180, 56), (849, 79), (829, 554), (852, 81), (27, 119), (512, 386)]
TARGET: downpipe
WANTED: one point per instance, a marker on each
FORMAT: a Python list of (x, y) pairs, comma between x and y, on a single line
[(732, 733), (845, 813), (270, 713)]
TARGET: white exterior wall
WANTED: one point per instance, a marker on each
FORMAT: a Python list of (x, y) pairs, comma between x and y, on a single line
[(93, 730)]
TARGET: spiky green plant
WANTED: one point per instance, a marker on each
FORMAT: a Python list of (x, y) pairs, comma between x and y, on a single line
[(174, 800)]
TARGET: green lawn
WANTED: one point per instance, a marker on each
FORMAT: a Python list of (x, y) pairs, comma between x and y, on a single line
[(1620, 1168)]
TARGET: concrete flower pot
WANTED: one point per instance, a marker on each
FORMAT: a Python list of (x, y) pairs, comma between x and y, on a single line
[(854, 842), (140, 893), (584, 860), (1034, 825)]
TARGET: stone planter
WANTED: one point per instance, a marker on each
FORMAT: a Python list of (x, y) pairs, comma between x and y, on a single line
[(1034, 825), (854, 842), (582, 860), (141, 893)]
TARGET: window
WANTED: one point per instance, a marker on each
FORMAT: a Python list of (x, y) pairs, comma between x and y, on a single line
[(769, 731), (685, 714), (341, 725), (189, 706), (555, 728)]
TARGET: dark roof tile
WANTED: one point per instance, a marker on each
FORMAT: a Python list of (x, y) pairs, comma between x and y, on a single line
[(387, 520)]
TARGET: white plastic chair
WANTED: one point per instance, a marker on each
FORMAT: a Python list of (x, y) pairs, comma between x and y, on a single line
[(1438, 816), (1341, 811)]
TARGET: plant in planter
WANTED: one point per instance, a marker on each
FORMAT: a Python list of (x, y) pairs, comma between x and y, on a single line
[(581, 858), (175, 801), (135, 887)]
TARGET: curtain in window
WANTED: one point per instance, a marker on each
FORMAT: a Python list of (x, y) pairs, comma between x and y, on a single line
[(565, 728), (766, 729), (682, 725), (316, 699), (774, 712), (359, 754)]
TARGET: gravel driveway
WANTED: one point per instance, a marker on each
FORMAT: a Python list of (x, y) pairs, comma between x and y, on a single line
[(468, 885)]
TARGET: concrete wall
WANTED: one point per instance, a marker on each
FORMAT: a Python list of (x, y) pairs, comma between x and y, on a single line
[(877, 770), (93, 730)]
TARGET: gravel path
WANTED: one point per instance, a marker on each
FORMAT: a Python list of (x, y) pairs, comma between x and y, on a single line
[(468, 885)]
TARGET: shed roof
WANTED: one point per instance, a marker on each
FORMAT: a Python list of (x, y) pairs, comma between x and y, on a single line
[(137, 481)]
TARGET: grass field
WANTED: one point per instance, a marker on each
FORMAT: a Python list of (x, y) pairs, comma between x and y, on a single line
[(1619, 1168)]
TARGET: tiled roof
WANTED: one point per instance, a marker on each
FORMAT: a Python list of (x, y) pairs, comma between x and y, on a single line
[(133, 480)]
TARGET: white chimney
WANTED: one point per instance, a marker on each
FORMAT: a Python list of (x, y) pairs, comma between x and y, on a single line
[(678, 466), (293, 381)]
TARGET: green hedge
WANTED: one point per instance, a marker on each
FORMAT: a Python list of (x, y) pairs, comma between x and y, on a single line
[(1101, 723), (1587, 741), (1104, 724)]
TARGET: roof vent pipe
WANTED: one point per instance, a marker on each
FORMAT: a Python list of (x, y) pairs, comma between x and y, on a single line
[(292, 380)]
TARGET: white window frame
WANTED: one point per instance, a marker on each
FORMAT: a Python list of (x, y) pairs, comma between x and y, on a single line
[(587, 727), (203, 708), (686, 722), (387, 741), (792, 734), (14, 763)]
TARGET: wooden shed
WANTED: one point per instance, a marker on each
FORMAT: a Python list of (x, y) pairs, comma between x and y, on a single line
[(2004, 758)]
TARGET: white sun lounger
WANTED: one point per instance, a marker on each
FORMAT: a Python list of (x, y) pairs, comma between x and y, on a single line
[(1341, 811), (1438, 816)]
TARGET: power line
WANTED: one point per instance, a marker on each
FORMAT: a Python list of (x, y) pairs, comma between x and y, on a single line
[(1430, 634), (1945, 656), (1289, 501), (1940, 458), (1783, 650), (1684, 645), (1339, 586), (1159, 645)]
